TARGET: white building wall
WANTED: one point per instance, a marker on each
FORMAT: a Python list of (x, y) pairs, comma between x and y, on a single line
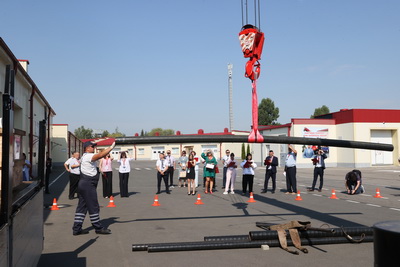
[(59, 143), (363, 158)]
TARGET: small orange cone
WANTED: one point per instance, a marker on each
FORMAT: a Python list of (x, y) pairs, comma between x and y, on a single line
[(111, 204), (199, 202), (251, 200), (378, 194), (298, 197), (333, 196), (54, 207), (155, 203)]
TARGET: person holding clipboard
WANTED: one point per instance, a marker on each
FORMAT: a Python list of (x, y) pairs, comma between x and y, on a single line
[(209, 170), (248, 166)]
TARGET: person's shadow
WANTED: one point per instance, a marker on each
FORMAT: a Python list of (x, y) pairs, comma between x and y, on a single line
[(242, 206), (110, 221), (67, 259)]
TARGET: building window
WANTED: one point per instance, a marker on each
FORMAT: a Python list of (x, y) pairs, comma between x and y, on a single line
[(175, 150), (140, 151)]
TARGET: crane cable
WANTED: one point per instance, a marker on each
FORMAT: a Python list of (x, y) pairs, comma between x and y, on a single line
[(245, 13)]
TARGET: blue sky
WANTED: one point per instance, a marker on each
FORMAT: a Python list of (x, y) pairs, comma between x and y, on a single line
[(146, 64)]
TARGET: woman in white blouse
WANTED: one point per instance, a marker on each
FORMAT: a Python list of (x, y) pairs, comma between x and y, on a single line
[(124, 170), (248, 166)]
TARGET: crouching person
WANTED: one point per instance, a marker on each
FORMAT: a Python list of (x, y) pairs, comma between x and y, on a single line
[(353, 182)]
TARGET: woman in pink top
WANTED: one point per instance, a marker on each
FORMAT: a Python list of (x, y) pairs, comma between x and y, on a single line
[(106, 175)]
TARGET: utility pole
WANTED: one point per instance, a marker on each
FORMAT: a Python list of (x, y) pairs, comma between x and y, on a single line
[(230, 67)]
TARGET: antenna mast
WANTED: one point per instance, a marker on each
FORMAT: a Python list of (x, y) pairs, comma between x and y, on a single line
[(230, 67)]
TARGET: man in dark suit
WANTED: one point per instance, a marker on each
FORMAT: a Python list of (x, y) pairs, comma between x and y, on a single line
[(271, 162), (319, 163)]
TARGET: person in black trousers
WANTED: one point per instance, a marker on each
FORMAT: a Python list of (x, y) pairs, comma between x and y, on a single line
[(270, 172), (124, 170), (319, 163), (88, 202), (162, 169), (171, 168), (290, 169), (72, 165), (105, 168), (248, 166)]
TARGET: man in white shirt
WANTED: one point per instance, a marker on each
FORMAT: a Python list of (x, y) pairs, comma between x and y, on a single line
[(171, 168), (72, 165), (87, 185), (290, 169), (224, 161), (162, 173)]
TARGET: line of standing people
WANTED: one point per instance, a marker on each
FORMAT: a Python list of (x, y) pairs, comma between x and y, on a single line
[(73, 166)]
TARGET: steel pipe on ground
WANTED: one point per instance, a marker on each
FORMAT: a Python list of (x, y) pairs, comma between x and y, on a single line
[(231, 238), (144, 247), (187, 246), (244, 139), (354, 232)]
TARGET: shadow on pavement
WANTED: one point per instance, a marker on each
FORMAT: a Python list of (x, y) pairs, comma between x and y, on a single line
[(248, 215), (109, 221), (66, 258), (323, 217), (56, 189)]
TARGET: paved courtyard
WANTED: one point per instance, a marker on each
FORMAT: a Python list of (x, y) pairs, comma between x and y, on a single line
[(136, 221)]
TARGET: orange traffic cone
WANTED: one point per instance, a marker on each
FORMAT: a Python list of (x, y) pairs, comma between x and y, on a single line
[(378, 194), (298, 197), (333, 196), (54, 207), (111, 204), (155, 203), (199, 202), (251, 200)]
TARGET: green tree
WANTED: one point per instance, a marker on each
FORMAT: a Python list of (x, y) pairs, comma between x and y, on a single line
[(117, 133), (320, 111), (161, 131), (248, 149), (267, 112), (243, 151), (142, 133), (105, 133), (83, 133)]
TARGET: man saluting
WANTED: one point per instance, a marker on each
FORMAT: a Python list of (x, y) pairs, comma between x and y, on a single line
[(87, 190)]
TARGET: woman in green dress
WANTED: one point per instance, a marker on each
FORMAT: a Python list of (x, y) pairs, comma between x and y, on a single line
[(209, 170)]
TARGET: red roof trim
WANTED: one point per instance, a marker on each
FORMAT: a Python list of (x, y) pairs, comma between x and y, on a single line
[(367, 116), (314, 121), (23, 60), (269, 127)]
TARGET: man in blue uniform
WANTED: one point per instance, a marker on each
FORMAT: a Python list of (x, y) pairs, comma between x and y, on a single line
[(290, 169), (319, 163), (87, 185)]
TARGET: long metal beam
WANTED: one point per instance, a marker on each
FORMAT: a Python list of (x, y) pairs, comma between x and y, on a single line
[(176, 139)]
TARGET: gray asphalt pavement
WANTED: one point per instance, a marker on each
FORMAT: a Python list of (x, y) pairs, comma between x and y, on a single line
[(136, 221)]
